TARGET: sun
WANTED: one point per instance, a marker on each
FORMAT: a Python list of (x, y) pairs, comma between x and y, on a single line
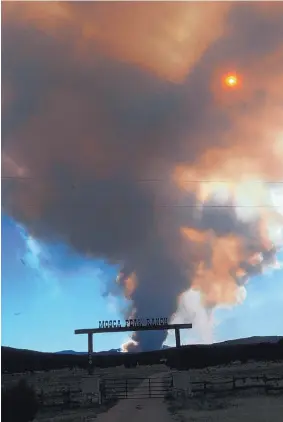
[(231, 80)]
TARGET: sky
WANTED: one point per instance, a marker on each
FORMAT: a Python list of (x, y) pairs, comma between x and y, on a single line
[(135, 180), (48, 292)]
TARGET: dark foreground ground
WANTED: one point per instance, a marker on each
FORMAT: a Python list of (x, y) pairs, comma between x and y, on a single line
[(52, 375), (245, 406)]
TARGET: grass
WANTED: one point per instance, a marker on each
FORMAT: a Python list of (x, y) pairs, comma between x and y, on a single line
[(234, 409), (195, 409), (52, 382)]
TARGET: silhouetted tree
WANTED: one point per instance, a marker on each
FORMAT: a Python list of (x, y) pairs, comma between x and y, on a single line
[(19, 403)]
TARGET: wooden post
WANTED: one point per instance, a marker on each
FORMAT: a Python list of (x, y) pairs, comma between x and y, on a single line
[(149, 389), (41, 397), (265, 384), (126, 388), (177, 337), (90, 352), (100, 396)]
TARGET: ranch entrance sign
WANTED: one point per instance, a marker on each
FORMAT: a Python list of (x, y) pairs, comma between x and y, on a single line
[(156, 322), (115, 326)]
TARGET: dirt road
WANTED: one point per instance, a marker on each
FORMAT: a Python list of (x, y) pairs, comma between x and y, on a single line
[(138, 410)]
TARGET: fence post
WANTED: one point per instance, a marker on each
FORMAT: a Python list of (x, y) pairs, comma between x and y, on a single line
[(41, 397), (265, 384), (204, 387), (126, 388), (102, 390), (68, 397), (234, 383), (99, 391), (149, 388)]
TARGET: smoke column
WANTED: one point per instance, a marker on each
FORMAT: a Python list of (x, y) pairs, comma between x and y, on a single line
[(120, 139)]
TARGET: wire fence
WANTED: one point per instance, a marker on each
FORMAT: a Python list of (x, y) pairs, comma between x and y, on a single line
[(264, 383), (131, 388)]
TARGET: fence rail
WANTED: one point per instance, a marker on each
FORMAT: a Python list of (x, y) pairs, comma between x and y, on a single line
[(247, 383), (133, 388)]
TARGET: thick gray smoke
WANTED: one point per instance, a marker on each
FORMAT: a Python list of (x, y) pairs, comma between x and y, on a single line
[(114, 147)]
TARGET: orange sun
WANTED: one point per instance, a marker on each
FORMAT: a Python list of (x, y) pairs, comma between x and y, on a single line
[(231, 80)]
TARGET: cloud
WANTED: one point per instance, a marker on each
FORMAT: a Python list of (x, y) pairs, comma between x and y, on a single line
[(110, 114)]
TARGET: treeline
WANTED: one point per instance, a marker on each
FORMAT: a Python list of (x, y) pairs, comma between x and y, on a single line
[(15, 360), (203, 356)]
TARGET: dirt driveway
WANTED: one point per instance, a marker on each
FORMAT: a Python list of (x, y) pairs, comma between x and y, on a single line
[(138, 410)]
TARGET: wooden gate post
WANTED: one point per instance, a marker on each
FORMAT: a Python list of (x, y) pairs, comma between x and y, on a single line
[(90, 353), (177, 337)]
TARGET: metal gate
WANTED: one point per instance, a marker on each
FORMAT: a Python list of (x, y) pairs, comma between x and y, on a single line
[(135, 388)]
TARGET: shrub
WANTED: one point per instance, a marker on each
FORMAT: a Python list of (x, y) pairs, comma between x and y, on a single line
[(19, 403)]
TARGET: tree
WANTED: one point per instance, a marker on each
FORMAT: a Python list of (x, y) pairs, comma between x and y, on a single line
[(19, 403)]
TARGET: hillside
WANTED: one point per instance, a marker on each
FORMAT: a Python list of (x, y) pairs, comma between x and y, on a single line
[(103, 352), (253, 340), (247, 340), (195, 356)]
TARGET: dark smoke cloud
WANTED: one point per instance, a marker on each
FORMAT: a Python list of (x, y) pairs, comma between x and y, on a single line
[(99, 128)]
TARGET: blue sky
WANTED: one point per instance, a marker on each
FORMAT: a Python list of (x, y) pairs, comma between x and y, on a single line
[(56, 291)]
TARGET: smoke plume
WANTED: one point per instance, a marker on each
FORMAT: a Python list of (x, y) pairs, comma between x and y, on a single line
[(120, 139)]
